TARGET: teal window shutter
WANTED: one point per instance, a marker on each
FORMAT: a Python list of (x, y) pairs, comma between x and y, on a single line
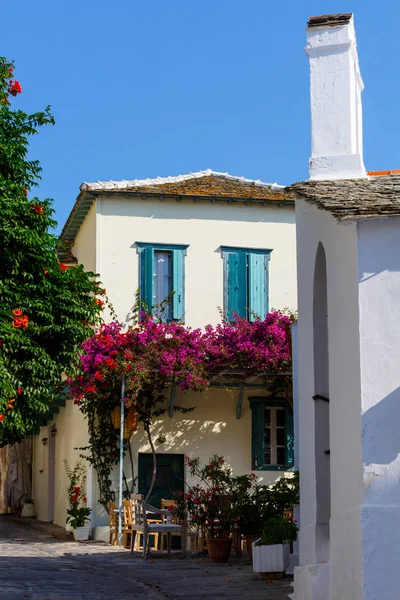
[(146, 276), (236, 288), (178, 284), (258, 285)]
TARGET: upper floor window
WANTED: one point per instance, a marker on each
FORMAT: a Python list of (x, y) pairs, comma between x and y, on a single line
[(162, 271), (245, 282)]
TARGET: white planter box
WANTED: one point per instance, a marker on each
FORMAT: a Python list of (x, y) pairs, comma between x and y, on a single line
[(81, 533), (28, 510), (271, 559)]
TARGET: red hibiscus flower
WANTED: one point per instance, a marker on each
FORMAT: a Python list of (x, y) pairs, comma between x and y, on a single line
[(2, 417), (84, 499), (17, 312), (45, 271), (63, 267), (74, 498), (99, 302), (19, 390), (77, 489)]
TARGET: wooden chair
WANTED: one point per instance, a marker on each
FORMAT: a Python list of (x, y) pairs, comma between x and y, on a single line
[(155, 536), (168, 519), (112, 507), (140, 524)]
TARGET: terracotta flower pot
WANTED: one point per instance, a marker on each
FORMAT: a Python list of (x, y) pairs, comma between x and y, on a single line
[(219, 549), (250, 538)]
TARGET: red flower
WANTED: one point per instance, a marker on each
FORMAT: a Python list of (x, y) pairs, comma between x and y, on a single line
[(19, 390), (171, 507), (26, 192), (111, 364), (17, 323), (63, 267), (1, 342), (11, 69), (84, 499), (77, 489), (6, 100), (14, 88), (196, 501), (17, 312), (37, 209), (99, 302), (84, 323), (2, 417), (74, 498), (221, 460), (9, 405)]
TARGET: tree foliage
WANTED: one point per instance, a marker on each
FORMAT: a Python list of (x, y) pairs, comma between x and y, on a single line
[(46, 309)]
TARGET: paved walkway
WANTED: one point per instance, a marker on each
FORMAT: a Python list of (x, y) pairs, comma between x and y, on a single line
[(36, 566)]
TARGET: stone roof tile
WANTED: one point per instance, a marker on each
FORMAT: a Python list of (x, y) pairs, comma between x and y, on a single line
[(345, 199)]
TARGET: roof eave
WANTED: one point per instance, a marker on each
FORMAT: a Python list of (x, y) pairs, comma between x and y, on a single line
[(85, 200)]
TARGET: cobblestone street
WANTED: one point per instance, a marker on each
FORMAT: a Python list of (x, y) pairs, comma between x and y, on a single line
[(36, 566)]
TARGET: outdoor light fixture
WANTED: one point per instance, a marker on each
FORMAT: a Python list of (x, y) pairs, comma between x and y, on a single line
[(44, 441), (53, 432)]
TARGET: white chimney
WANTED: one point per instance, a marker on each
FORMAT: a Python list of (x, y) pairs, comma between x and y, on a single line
[(336, 86)]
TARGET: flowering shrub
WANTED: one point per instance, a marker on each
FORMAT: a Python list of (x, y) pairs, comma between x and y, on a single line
[(209, 503), (46, 310), (154, 355), (222, 502), (78, 513)]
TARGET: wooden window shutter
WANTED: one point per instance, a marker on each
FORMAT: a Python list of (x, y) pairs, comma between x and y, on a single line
[(178, 284), (258, 285), (236, 289), (146, 276)]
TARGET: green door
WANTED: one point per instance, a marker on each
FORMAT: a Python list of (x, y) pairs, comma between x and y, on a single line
[(170, 476)]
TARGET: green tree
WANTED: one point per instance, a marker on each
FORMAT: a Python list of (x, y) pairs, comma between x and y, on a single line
[(46, 308)]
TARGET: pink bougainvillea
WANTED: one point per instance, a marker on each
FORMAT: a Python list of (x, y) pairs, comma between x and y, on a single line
[(157, 355)]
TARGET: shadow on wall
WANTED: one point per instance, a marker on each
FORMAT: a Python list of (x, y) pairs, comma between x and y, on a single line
[(381, 431)]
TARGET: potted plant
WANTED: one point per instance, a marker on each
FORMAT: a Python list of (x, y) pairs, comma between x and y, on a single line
[(209, 505), (252, 508), (78, 513), (271, 553)]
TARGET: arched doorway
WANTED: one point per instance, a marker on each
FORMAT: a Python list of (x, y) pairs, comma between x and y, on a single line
[(321, 406)]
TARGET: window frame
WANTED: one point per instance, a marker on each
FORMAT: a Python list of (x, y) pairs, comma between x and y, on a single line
[(145, 285), (257, 406), (266, 253)]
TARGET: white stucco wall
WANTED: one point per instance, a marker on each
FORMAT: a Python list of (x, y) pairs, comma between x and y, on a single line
[(205, 227), (340, 243), (106, 244), (71, 433), (85, 242), (379, 276), (212, 428)]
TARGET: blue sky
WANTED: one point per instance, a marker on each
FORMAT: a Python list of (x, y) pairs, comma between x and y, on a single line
[(141, 89)]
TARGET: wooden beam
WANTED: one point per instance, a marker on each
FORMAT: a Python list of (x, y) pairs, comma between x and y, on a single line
[(239, 402)]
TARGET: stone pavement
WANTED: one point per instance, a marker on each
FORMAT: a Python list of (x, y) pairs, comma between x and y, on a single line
[(36, 566)]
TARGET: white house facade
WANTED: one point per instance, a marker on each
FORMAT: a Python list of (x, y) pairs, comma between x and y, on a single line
[(348, 227), (217, 241)]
